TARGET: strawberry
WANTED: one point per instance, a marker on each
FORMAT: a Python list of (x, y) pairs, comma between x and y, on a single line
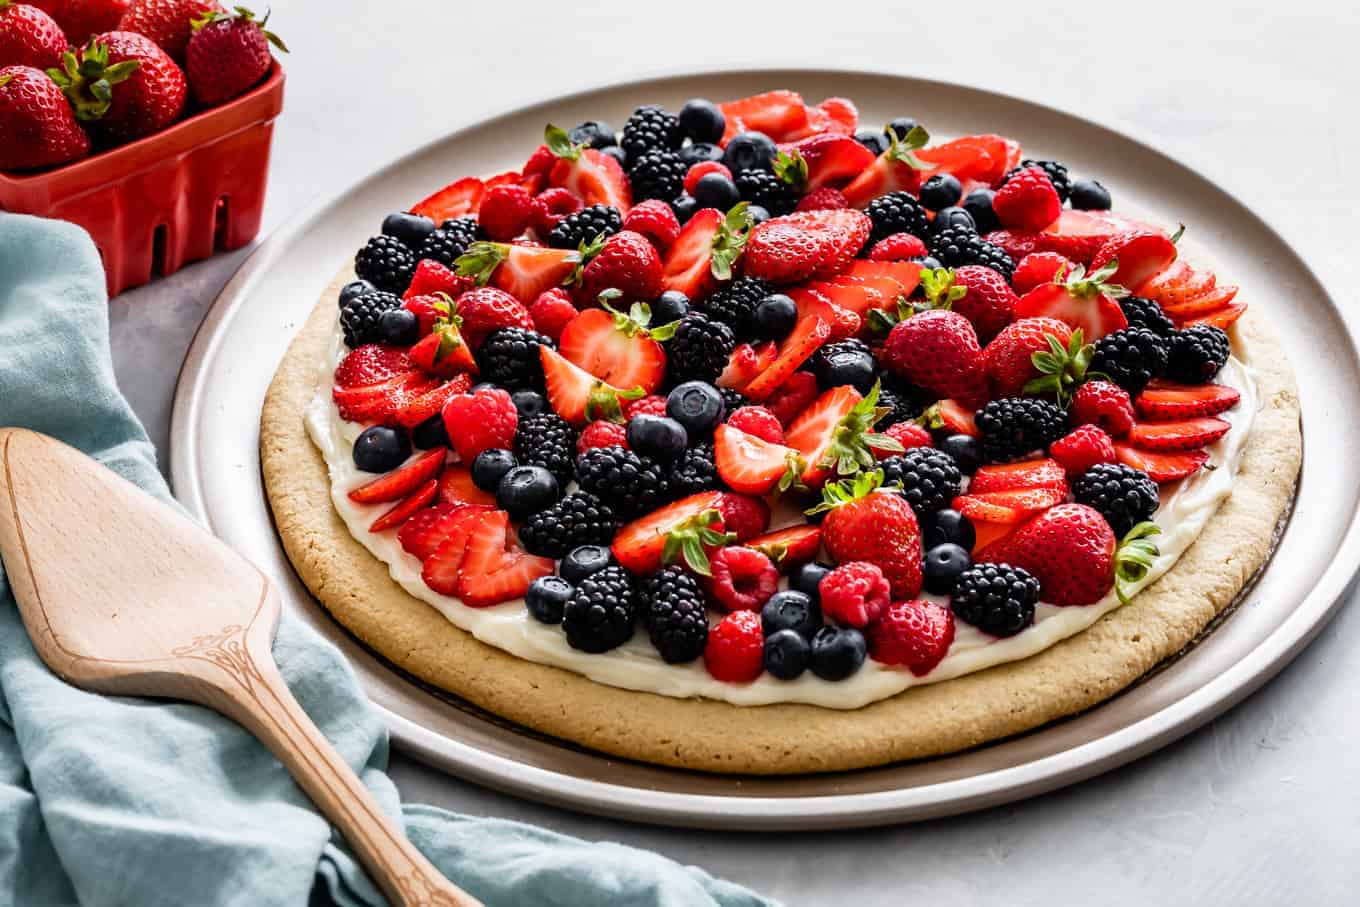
[(850, 294), (758, 421), (655, 220), (505, 212), (842, 113), (433, 277), (522, 271), (1185, 434), (1085, 302), (735, 650), (618, 348), (792, 397), (679, 530), (228, 54), (29, 36), (1038, 473), (549, 208), (706, 251), (898, 247), (442, 566), (380, 402), (1027, 200), (534, 173), (1164, 400), (1137, 256), (82, 19), (427, 530), (371, 363), (823, 199), (890, 278), (752, 465), (494, 568), (854, 594), (1176, 284), (418, 500), (789, 547), (807, 335), (864, 524), (626, 262), (1162, 467), (455, 200), (1220, 318), (952, 417), (401, 481), (897, 169), (123, 85), (1009, 358), (1038, 268), (36, 121), (1016, 244), (775, 113), (828, 159), (169, 23), (480, 420), (742, 579), (551, 312), (592, 176), (1078, 235), (1029, 500), (456, 487), (601, 433), (417, 409), (835, 434), (578, 396), (1105, 404), (840, 321), (805, 244), (487, 309), (699, 171), (746, 363), (444, 351), (1082, 448), (988, 301), (915, 634), (982, 158), (938, 350), (991, 522), (1210, 301)]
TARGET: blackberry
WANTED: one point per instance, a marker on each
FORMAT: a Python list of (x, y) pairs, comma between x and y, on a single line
[(657, 174), (629, 484), (584, 226), (509, 357), (763, 188), (930, 478), (549, 441), (674, 615), (1197, 353), (600, 614), (1011, 427), (1057, 175), (733, 400), (386, 262), (1146, 313), (735, 305), (360, 316), (692, 472), (1124, 496), (651, 128), (1130, 358), (452, 238), (699, 350), (578, 519), (996, 598), (904, 402), (897, 212), (956, 246)]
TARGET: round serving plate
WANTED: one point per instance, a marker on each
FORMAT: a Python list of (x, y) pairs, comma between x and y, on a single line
[(216, 471)]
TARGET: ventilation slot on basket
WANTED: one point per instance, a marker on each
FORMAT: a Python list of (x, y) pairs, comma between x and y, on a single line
[(221, 217), (158, 249)]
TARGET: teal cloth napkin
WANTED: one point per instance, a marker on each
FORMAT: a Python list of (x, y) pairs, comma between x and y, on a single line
[(120, 801)]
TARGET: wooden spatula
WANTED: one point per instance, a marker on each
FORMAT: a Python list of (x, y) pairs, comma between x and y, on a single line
[(122, 594)]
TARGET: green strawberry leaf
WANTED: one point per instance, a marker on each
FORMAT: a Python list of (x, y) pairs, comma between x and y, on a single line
[(902, 149), (1062, 369), (1134, 557), (560, 144), (687, 540), (791, 168), (730, 240), (480, 261)]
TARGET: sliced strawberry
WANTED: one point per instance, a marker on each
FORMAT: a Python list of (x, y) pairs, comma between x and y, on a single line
[(745, 363), (851, 294), (805, 244), (1162, 467), (442, 567), (403, 511), (842, 113), (616, 348), (957, 418), (522, 271), (1163, 400), (401, 481), (814, 431), (432, 402), (991, 522), (381, 402), (370, 364), (1082, 302), (456, 487), (494, 568), (1078, 235), (817, 123), (706, 251), (984, 158), (1028, 499), (906, 274), (1039, 473), (807, 335), (1140, 255), (898, 169), (639, 546), (1178, 284), (752, 465), (841, 322), (1208, 303), (425, 531), (789, 547), (792, 397), (578, 396), (1219, 318), (595, 178), (443, 353), (454, 200), (821, 160), (1185, 434), (778, 114)]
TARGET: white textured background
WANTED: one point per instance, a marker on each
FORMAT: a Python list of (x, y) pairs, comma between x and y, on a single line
[(1260, 807)]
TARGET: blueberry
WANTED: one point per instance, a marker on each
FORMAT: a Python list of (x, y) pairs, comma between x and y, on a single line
[(584, 560), (658, 437), (854, 367), (684, 207), (964, 450), (791, 610), (900, 127), (697, 406), (873, 139), (525, 490), (529, 403), (786, 654), (594, 134), (978, 203), (837, 652), (947, 527), (953, 217), (808, 577), (928, 262), (758, 214), (671, 305), (381, 449), (942, 567), (399, 327), (1089, 195), (353, 290), (716, 191), (749, 151), (702, 121), (411, 229), (941, 191), (617, 154), (546, 597), (698, 152), (490, 466), (431, 433), (776, 315)]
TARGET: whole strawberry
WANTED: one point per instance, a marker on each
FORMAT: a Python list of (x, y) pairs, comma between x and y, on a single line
[(38, 126), (1009, 358), (806, 244), (29, 36), (915, 634), (169, 23), (228, 54), (80, 20), (123, 85), (866, 524), (938, 350), (626, 262), (988, 301), (487, 309)]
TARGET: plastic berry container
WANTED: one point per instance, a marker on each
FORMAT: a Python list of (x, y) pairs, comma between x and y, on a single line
[(156, 204)]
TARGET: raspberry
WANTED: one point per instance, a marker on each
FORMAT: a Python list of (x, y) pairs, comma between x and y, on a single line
[(1104, 404), (758, 421), (854, 594), (655, 220), (551, 311), (601, 434), (481, 420), (487, 309), (823, 199), (551, 206), (539, 163), (506, 212), (898, 247), (908, 434), (793, 396), (701, 170), (650, 405), (736, 648), (1082, 448), (743, 579), (1027, 201), (915, 634), (745, 516), (1037, 269)]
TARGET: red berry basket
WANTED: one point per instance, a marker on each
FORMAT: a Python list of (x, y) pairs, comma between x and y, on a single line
[(178, 196)]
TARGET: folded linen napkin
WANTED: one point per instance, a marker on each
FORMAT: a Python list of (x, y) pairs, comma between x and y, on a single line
[(121, 801)]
